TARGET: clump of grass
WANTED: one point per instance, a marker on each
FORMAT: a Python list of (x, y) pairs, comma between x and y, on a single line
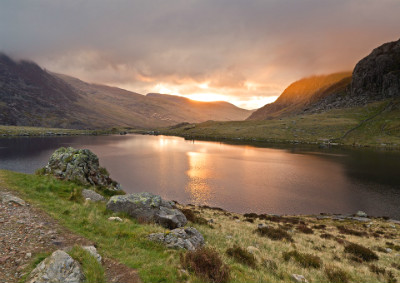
[(192, 217), (274, 233), (319, 226), (305, 260), (360, 252), (396, 265), (348, 231), (251, 215), (326, 236), (377, 270), (281, 219), (242, 256), (40, 171), (304, 229), (76, 195), (390, 277), (392, 246), (207, 264), (270, 265), (94, 272), (251, 220), (336, 275)]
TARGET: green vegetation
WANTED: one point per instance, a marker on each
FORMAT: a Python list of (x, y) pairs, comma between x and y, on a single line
[(382, 128), (94, 272), (319, 259), (242, 256)]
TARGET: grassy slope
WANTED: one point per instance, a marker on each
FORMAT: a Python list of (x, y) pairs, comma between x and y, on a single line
[(127, 242), (311, 128)]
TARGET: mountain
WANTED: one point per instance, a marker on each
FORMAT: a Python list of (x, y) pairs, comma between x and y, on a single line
[(303, 93), (31, 96), (374, 78)]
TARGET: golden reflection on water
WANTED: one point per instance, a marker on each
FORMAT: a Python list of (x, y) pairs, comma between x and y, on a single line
[(198, 174)]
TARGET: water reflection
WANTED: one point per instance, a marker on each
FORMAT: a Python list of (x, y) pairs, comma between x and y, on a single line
[(239, 178), (199, 173)]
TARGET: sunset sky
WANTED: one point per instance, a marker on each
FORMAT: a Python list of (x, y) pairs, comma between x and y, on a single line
[(245, 52)]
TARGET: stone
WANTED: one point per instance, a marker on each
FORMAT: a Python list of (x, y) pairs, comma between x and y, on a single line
[(262, 225), (28, 255), (361, 214), (180, 238), (299, 278), (92, 195), (93, 251), (58, 268), (361, 219), (149, 208), (81, 166), (11, 199), (115, 218), (388, 250), (252, 250)]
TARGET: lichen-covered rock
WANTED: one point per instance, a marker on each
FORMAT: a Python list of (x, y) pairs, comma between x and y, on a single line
[(58, 268), (181, 238), (149, 208), (92, 195), (93, 251), (80, 165)]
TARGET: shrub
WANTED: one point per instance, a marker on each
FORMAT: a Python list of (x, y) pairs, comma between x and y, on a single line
[(390, 277), (76, 195), (191, 216), (274, 233), (305, 260), (207, 264), (304, 229), (40, 171), (336, 275), (319, 226), (348, 231), (242, 256), (361, 252)]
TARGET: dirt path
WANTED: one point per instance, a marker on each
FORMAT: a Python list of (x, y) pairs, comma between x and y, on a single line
[(26, 231)]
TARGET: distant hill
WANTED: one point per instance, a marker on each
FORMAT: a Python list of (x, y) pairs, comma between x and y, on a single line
[(31, 96), (376, 77), (303, 93)]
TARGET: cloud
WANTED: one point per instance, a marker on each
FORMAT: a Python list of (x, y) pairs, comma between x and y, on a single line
[(227, 45)]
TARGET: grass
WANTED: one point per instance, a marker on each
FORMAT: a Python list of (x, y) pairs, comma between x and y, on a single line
[(241, 255), (336, 275), (304, 259), (383, 130), (92, 269), (127, 241)]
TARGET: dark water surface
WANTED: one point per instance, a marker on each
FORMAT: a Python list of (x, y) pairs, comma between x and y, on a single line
[(239, 178)]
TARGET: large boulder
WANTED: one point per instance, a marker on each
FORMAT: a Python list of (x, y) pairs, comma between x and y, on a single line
[(181, 238), (58, 268), (80, 165), (148, 208), (377, 76)]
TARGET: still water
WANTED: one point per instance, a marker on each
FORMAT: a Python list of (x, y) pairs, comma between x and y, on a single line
[(240, 178)]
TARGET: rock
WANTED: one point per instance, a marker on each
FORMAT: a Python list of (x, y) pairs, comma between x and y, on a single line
[(79, 165), (149, 208), (93, 251), (116, 218), (262, 225), (9, 198), (252, 250), (181, 238), (361, 219), (299, 278), (388, 250), (92, 195), (361, 214), (377, 76), (28, 255), (58, 268)]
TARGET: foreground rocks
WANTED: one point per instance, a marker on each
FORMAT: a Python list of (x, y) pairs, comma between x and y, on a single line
[(79, 165), (181, 238), (59, 267), (92, 195), (7, 198), (147, 207)]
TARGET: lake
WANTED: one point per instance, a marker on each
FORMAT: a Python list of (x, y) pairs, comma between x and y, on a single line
[(239, 178)]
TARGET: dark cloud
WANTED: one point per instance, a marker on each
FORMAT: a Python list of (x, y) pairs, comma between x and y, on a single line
[(238, 48)]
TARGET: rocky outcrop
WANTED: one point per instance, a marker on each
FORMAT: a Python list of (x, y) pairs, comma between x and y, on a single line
[(58, 268), (92, 195), (9, 198), (181, 238), (81, 166), (148, 208), (377, 76)]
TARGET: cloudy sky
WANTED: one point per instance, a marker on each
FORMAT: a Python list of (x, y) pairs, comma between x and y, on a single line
[(244, 51)]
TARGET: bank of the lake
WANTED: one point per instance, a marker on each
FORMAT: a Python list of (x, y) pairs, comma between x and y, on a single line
[(313, 246)]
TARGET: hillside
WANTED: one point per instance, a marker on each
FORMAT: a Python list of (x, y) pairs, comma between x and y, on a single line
[(303, 93), (31, 96)]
